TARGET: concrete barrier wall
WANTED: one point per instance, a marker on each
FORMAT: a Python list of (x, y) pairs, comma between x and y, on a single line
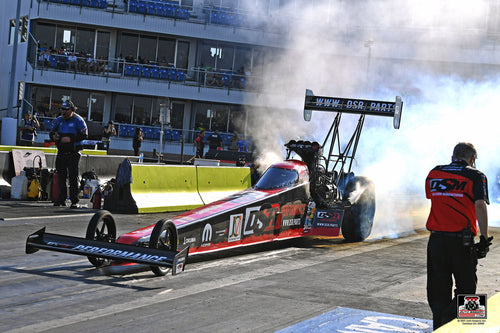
[(166, 188), (215, 183), (162, 188)]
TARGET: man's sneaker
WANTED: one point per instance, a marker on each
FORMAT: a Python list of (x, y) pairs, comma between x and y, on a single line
[(74, 206)]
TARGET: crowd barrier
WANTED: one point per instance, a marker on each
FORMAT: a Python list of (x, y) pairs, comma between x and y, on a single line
[(151, 188)]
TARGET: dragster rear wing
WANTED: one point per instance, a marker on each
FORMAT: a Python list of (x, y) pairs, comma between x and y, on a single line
[(350, 105), (115, 251)]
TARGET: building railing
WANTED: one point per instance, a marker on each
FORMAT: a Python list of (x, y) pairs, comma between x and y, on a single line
[(119, 68), (209, 14), (170, 135)]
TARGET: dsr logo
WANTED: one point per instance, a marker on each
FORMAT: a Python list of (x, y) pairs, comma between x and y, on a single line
[(447, 185)]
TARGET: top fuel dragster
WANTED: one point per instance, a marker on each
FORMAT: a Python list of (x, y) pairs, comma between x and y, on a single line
[(317, 195)]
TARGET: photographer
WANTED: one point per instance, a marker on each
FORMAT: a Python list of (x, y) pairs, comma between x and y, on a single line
[(29, 130), (107, 132), (459, 195)]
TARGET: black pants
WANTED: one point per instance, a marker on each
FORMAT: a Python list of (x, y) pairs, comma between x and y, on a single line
[(67, 166), (447, 257)]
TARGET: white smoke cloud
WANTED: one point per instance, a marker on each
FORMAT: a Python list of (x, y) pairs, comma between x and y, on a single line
[(424, 51)]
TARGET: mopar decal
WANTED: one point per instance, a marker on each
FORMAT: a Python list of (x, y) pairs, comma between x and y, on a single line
[(124, 254), (206, 236), (235, 224)]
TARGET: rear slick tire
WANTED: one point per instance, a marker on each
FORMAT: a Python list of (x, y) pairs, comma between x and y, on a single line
[(163, 237), (358, 217), (102, 227)]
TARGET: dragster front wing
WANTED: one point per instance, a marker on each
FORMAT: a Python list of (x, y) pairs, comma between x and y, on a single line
[(115, 251)]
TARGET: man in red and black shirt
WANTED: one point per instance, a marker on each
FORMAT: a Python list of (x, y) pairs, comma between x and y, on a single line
[(459, 194)]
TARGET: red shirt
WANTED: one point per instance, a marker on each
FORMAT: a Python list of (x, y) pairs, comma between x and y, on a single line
[(453, 190)]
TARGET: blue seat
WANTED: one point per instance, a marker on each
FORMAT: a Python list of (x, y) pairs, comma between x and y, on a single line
[(85, 3), (184, 13), (132, 6), (181, 76), (163, 74), (168, 10), (103, 4), (130, 130), (75, 2), (172, 74), (128, 70), (214, 18), (155, 73), (150, 8), (136, 70), (122, 130), (141, 7), (176, 136), (168, 135), (148, 133), (94, 3), (145, 72), (156, 133), (159, 9)]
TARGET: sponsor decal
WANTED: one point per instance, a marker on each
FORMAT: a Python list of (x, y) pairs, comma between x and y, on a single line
[(189, 240), (293, 210), (447, 185), (290, 222), (251, 220), (206, 236), (471, 306), (235, 224), (328, 218), (119, 253)]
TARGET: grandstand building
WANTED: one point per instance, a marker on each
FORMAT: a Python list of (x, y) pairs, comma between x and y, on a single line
[(173, 67)]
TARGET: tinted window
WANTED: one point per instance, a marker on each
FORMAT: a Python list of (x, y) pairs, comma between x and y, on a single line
[(277, 178)]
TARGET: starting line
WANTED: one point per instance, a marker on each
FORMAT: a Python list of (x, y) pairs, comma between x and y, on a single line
[(346, 320)]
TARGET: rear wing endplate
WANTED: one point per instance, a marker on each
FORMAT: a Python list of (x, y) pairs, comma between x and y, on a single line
[(351, 105), (115, 251)]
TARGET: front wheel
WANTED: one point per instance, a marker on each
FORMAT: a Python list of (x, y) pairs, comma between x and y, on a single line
[(102, 228), (163, 237), (358, 216)]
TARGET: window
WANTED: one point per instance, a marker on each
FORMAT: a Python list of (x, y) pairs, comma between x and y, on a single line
[(129, 45), (166, 50), (45, 34), (147, 48), (182, 55), (142, 110), (277, 178), (102, 46), (66, 38), (22, 30), (123, 108), (177, 115), (85, 40), (217, 56)]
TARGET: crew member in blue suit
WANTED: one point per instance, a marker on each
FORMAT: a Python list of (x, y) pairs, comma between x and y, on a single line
[(68, 131)]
